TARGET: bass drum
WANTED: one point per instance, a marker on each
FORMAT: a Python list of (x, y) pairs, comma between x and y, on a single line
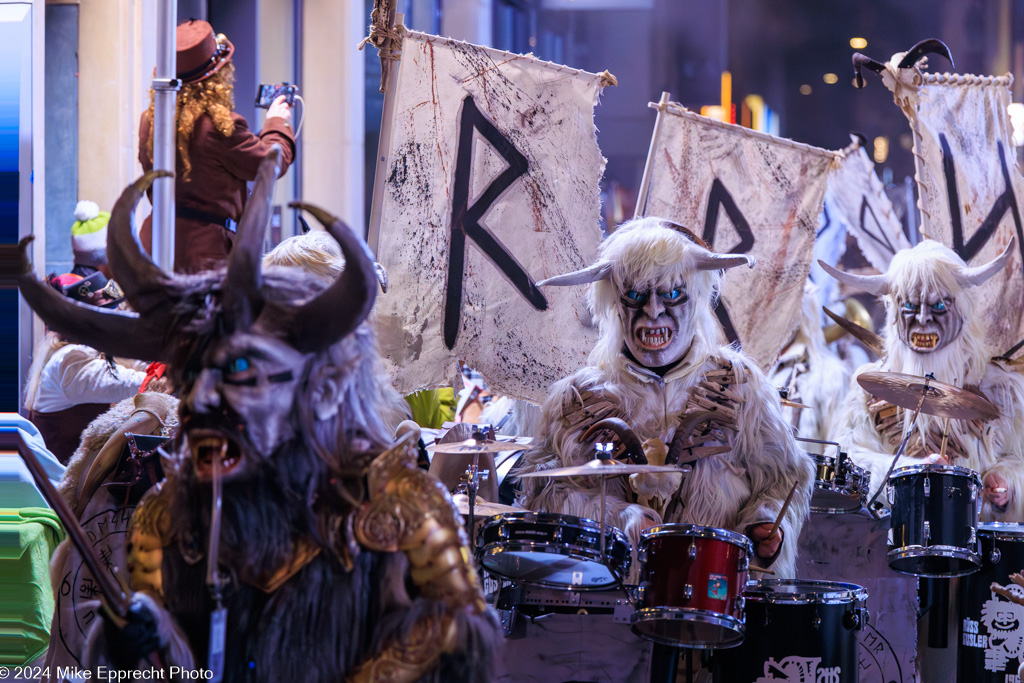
[(797, 631), (991, 627)]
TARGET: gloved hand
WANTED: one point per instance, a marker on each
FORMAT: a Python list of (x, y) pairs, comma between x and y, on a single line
[(133, 637)]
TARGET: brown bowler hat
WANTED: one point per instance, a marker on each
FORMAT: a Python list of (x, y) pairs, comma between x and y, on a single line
[(200, 53)]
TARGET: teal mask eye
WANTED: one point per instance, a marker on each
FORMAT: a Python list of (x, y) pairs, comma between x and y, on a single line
[(634, 295), (939, 306), (674, 296), (911, 308), (635, 299), (240, 364)]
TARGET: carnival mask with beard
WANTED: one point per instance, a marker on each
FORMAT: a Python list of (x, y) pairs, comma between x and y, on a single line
[(657, 326), (928, 322)]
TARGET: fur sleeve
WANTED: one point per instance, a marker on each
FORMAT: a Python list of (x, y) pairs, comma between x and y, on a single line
[(766, 449)]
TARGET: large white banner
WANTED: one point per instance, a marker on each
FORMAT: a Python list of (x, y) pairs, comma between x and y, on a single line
[(745, 192), (492, 185), (968, 180)]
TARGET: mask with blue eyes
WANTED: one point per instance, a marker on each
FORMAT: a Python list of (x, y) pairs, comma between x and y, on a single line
[(657, 323), (929, 323)]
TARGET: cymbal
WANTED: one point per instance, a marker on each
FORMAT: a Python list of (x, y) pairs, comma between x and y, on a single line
[(940, 399), (471, 446), (483, 508), (607, 468)]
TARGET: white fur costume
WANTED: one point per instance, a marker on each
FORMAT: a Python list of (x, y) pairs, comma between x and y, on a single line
[(964, 361), (734, 490)]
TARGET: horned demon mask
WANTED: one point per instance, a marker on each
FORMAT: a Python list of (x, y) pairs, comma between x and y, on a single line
[(926, 293), (654, 287), (240, 345)]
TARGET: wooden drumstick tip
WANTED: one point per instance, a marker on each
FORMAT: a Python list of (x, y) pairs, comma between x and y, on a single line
[(761, 569), (782, 512)]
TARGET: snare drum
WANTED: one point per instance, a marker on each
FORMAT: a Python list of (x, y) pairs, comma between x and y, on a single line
[(690, 585), (797, 631), (991, 628), (839, 488), (934, 520), (553, 550)]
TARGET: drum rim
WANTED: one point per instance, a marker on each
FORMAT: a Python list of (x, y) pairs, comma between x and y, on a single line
[(1002, 530), (646, 614), (948, 551), (842, 593), (617, 577), (559, 519), (839, 511), (697, 531), (935, 469)]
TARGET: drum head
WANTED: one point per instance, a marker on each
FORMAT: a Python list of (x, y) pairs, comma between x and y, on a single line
[(548, 567), (688, 628)]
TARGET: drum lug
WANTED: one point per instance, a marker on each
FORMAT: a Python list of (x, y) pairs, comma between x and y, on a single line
[(974, 536), (995, 556), (693, 550), (816, 622), (927, 486), (688, 591), (927, 529), (974, 492), (557, 536), (889, 493), (641, 556), (740, 603), (503, 532)]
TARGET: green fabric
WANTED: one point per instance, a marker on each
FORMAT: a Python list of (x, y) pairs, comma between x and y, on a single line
[(92, 225), (28, 538), (433, 407)]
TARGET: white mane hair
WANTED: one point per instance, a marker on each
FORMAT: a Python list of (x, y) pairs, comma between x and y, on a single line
[(645, 252), (932, 267)]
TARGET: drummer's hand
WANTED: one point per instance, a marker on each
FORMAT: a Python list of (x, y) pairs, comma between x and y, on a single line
[(997, 490), (766, 547), (936, 459)]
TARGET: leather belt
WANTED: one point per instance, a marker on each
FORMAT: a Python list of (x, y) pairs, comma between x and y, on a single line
[(204, 217)]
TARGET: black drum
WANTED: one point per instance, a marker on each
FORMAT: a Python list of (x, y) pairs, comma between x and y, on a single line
[(797, 631), (559, 551), (934, 520), (991, 627)]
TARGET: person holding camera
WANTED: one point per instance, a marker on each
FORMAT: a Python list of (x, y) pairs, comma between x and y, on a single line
[(216, 152)]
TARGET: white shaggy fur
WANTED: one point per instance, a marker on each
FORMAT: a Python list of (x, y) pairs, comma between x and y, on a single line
[(932, 268), (733, 491)]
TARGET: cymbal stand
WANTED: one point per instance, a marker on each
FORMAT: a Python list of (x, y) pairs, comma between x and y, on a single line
[(472, 478), (903, 444)]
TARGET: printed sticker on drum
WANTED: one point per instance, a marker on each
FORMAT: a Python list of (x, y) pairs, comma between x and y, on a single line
[(718, 587), (1004, 621), (799, 670)]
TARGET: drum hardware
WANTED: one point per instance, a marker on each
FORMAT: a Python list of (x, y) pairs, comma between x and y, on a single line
[(995, 555), (840, 486)]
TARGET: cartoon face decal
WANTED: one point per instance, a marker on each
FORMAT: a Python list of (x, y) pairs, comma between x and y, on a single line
[(1005, 623)]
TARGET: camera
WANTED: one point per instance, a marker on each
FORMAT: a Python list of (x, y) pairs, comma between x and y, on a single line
[(267, 93)]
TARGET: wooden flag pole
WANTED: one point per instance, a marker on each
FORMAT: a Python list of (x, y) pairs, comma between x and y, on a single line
[(645, 182), (389, 86)]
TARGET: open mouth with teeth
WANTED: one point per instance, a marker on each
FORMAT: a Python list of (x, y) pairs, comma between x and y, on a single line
[(207, 445), (924, 341), (653, 338)]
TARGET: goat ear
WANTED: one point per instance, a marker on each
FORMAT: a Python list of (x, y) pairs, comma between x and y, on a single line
[(326, 392)]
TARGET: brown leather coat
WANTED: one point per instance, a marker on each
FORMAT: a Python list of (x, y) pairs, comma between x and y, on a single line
[(216, 185)]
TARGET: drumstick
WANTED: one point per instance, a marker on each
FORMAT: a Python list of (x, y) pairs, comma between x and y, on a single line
[(761, 569), (782, 512), (999, 590), (1017, 579), (945, 439)]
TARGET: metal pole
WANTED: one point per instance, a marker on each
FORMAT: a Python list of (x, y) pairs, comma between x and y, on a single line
[(165, 87)]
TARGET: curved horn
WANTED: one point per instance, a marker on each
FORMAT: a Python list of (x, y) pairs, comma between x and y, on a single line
[(872, 284), (143, 282), (598, 271), (634, 450), (871, 340), (242, 299), (972, 277), (929, 46), (115, 332), (709, 260), (340, 308), (866, 62)]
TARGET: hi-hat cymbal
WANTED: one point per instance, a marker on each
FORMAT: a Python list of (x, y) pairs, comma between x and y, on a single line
[(607, 468), (471, 446), (483, 508), (940, 399)]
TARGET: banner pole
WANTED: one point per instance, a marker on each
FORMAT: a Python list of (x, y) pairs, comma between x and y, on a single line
[(390, 88), (641, 195)]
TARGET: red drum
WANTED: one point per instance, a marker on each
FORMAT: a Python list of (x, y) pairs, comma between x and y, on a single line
[(691, 585)]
